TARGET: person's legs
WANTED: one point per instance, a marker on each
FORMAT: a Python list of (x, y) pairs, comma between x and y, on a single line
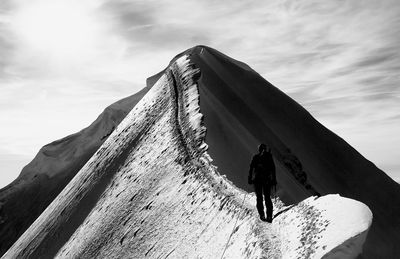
[(268, 202), (259, 194)]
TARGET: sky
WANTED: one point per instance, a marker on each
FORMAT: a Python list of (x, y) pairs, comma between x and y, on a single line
[(63, 61)]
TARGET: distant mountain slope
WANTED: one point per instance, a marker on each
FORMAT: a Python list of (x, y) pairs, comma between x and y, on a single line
[(242, 109), (151, 191), (22, 201)]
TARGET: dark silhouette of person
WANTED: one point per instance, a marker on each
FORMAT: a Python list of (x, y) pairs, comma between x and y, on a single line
[(262, 175)]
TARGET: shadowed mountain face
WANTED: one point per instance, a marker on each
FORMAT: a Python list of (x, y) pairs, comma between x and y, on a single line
[(241, 109), (22, 201)]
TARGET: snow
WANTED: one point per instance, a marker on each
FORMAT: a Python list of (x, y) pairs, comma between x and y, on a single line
[(151, 191), (318, 225), (189, 116)]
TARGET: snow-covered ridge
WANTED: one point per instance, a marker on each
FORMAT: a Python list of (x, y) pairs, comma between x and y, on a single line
[(151, 191), (330, 226), (190, 118), (315, 228)]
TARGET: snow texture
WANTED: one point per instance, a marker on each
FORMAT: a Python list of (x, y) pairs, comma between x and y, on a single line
[(319, 225), (151, 191)]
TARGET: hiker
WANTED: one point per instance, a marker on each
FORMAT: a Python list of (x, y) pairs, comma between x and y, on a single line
[(262, 175)]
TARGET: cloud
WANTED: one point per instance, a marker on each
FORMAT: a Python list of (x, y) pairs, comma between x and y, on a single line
[(6, 45), (145, 26), (339, 59), (130, 14), (375, 60)]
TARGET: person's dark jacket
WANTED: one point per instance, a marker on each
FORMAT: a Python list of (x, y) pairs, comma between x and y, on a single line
[(263, 168)]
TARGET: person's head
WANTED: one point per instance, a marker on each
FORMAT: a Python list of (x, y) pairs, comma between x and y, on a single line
[(262, 148)]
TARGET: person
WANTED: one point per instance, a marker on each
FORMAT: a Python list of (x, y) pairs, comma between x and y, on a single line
[(262, 175)]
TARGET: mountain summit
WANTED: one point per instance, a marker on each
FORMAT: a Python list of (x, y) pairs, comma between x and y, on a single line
[(154, 187), (242, 109)]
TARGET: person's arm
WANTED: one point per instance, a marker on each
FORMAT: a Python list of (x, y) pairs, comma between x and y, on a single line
[(273, 171), (250, 177)]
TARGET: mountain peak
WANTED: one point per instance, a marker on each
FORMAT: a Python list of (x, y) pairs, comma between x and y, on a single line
[(156, 185)]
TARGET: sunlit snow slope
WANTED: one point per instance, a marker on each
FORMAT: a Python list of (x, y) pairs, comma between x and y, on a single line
[(151, 191)]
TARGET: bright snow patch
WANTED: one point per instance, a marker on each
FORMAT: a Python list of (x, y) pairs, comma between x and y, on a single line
[(316, 226)]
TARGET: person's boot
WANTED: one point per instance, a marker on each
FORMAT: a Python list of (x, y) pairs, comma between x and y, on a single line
[(269, 219), (262, 217)]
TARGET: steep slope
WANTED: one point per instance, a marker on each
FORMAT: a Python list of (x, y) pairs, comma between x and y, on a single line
[(242, 109), (22, 201), (151, 191)]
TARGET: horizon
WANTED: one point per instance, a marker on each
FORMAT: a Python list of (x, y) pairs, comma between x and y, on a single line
[(63, 62)]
